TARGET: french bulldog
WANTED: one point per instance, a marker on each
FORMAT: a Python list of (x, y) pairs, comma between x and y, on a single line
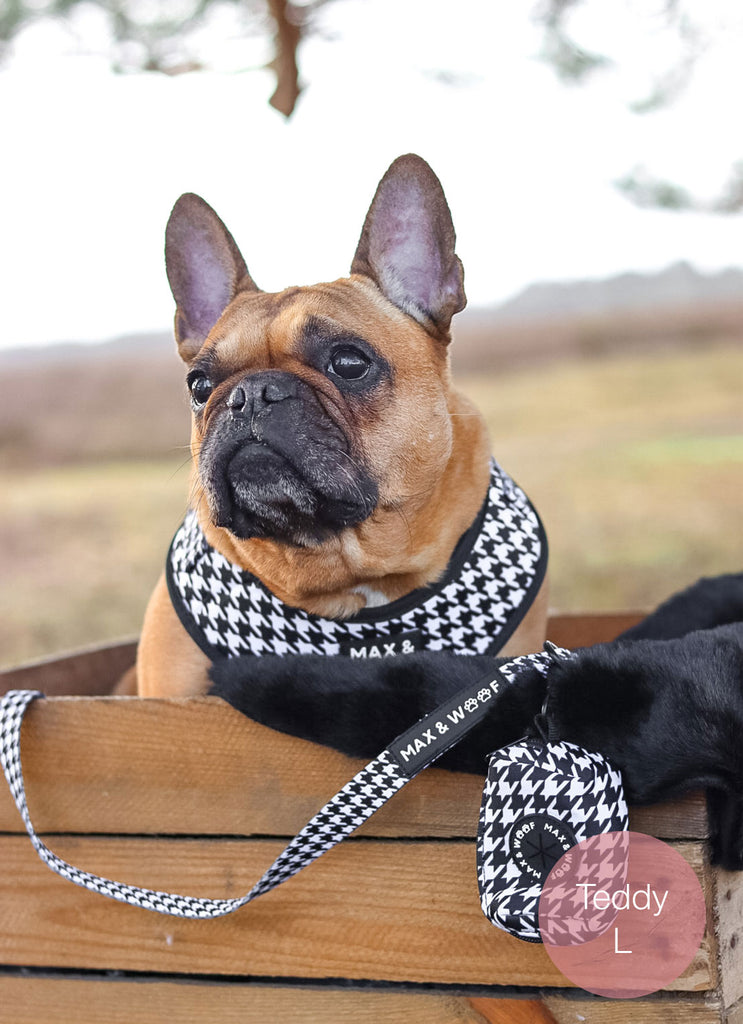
[(337, 473)]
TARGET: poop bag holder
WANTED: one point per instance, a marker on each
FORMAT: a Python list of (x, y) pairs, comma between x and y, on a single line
[(539, 800), (519, 786)]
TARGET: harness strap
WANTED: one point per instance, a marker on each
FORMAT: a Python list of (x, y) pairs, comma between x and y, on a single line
[(367, 791)]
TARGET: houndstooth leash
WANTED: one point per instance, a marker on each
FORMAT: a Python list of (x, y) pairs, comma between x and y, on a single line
[(368, 790)]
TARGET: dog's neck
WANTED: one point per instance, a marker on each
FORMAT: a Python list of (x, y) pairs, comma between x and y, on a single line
[(391, 554)]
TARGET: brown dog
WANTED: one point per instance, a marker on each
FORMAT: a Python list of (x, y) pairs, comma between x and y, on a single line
[(334, 463)]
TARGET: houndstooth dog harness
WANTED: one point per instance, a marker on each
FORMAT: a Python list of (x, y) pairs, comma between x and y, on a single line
[(367, 791), (490, 583)]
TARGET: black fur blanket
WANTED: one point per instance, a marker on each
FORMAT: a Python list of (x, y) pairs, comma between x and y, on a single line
[(663, 702)]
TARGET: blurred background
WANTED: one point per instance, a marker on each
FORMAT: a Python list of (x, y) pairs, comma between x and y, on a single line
[(590, 156)]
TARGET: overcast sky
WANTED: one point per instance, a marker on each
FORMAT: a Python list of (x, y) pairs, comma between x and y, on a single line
[(93, 161)]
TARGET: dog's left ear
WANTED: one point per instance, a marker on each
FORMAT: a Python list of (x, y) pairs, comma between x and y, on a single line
[(205, 270), (407, 246)]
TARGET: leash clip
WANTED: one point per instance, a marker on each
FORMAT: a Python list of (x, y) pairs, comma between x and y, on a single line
[(556, 655)]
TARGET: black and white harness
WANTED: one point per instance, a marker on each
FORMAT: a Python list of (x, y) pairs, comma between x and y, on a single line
[(490, 583)]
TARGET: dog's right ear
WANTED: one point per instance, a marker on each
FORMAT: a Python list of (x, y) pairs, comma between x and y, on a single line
[(407, 246), (205, 270)]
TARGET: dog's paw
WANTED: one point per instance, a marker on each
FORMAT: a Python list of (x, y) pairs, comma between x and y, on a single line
[(359, 707)]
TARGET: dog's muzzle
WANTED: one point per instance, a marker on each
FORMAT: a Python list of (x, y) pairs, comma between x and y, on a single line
[(275, 464)]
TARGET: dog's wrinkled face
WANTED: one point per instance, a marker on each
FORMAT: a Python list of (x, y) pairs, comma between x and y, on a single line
[(279, 454), (315, 406)]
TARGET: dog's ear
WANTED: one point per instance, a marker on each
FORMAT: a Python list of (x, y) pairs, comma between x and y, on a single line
[(407, 246), (205, 270)]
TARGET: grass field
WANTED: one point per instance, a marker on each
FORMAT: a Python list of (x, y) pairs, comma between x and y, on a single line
[(635, 464)]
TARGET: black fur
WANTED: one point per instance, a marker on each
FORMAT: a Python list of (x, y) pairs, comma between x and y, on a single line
[(667, 712), (710, 602), (358, 707)]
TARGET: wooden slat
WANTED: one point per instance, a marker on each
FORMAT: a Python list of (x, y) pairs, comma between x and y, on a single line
[(652, 1010), (62, 1000), (66, 1000), (90, 672), (684, 818), (366, 910), (197, 767), (124, 765), (729, 914), (583, 630), (509, 1011)]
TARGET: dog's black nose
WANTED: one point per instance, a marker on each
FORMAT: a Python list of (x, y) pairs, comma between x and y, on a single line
[(261, 390)]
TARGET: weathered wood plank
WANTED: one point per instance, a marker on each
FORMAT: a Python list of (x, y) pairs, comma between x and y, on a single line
[(197, 767), (508, 1011), (684, 818), (61, 1000), (89, 672), (365, 910), (93, 1001), (406, 912), (729, 914), (124, 765), (664, 1010), (583, 630)]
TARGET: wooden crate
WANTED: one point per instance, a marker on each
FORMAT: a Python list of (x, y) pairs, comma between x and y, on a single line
[(191, 797)]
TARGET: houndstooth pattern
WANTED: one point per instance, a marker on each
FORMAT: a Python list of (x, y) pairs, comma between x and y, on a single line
[(561, 780), (235, 614), (540, 661), (367, 791)]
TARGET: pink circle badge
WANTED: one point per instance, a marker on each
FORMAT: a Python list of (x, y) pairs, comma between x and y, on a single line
[(622, 914)]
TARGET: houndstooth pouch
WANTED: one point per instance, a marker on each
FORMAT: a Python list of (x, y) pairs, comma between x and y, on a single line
[(541, 799)]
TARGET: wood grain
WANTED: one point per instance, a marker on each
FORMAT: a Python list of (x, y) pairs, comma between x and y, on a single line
[(685, 818), (90, 672), (652, 1010), (583, 630), (64, 1000), (729, 914), (366, 910), (197, 767), (504, 1011)]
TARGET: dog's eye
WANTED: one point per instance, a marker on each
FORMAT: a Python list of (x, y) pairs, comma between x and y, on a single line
[(348, 364), (200, 387)]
